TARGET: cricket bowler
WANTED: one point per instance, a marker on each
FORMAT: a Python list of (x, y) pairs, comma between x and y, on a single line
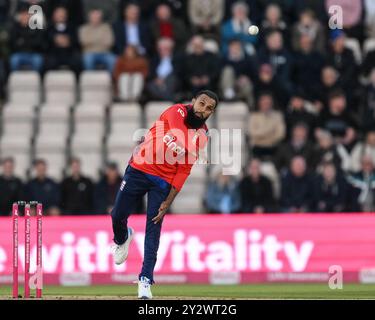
[(159, 166)]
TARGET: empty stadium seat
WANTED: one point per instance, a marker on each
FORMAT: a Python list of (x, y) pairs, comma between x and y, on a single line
[(232, 115), (56, 162), (95, 86), (24, 87), (124, 116), (18, 119), (60, 87), (89, 120), (18, 147), (53, 131), (189, 199), (89, 149)]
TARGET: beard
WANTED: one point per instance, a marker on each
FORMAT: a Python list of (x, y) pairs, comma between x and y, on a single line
[(192, 120)]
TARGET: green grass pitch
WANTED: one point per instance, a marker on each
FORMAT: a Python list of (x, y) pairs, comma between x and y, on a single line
[(254, 291)]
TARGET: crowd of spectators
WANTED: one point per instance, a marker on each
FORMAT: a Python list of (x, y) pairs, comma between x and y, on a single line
[(311, 98), (76, 194)]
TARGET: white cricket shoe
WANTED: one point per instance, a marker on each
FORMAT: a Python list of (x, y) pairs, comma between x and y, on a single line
[(144, 288), (120, 252)]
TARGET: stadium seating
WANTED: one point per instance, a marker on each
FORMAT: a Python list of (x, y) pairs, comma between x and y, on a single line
[(24, 87), (95, 86), (60, 86)]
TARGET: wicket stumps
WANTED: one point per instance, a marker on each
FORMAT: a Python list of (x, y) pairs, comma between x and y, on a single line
[(35, 281)]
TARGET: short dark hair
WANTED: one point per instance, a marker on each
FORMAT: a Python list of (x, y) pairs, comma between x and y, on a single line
[(338, 93), (210, 94), (7, 159), (74, 159), (39, 161), (111, 165)]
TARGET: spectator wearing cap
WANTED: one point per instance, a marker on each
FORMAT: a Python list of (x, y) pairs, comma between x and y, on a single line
[(298, 145), (343, 60), (43, 189), (238, 27), (266, 128), (96, 40), (11, 187), (352, 16), (256, 190), (297, 188), (76, 191), (238, 69), (331, 190)]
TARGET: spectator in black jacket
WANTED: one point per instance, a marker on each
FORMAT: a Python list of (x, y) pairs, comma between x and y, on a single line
[(200, 68), (338, 119), (297, 189), (106, 189), (26, 44), (368, 104), (300, 111), (298, 145), (43, 189), (343, 60), (331, 190), (275, 54), (368, 63), (329, 82), (11, 188), (63, 41), (76, 191), (256, 190), (307, 65), (131, 31)]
